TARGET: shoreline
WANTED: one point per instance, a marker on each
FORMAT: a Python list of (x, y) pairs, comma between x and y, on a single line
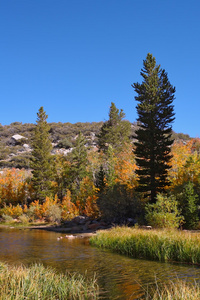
[(87, 233), (58, 229)]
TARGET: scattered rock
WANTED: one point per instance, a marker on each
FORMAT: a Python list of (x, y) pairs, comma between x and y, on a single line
[(146, 227), (70, 237), (27, 147)]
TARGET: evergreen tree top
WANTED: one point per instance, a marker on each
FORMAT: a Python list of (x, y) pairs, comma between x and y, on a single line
[(115, 116), (115, 131), (41, 116), (155, 93)]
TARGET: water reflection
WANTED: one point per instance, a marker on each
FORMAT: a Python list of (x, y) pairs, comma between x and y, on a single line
[(119, 277)]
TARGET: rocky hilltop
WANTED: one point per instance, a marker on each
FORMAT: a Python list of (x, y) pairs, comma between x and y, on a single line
[(15, 140)]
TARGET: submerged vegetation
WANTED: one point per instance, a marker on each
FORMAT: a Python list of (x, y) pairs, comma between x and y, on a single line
[(160, 245), (37, 282)]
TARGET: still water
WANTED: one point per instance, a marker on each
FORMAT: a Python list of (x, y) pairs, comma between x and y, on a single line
[(119, 277)]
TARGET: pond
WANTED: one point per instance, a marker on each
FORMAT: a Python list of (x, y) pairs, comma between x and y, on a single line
[(119, 277)]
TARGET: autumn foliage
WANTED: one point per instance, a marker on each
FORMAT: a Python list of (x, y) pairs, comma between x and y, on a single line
[(117, 193), (185, 163), (14, 187)]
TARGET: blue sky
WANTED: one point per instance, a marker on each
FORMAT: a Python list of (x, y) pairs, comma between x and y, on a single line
[(75, 57)]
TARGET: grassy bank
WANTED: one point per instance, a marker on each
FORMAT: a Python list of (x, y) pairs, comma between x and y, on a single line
[(157, 245), (37, 282)]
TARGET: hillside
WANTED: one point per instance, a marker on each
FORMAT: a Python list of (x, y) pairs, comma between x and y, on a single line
[(15, 139)]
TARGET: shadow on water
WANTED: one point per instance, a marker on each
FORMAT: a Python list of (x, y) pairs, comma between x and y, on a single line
[(119, 277)]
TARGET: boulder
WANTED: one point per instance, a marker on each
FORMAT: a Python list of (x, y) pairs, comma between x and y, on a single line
[(17, 139), (80, 220)]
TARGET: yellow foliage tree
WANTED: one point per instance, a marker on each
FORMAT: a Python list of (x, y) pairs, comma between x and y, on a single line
[(125, 167), (86, 198), (185, 163)]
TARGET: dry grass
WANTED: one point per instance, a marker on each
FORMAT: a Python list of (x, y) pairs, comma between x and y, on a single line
[(40, 283), (179, 290)]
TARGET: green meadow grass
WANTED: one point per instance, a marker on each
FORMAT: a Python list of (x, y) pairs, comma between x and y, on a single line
[(160, 245), (40, 283)]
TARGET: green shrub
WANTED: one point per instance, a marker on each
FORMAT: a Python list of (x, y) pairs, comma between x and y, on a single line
[(24, 219), (20, 161), (31, 213), (164, 213), (53, 214), (65, 143), (8, 219)]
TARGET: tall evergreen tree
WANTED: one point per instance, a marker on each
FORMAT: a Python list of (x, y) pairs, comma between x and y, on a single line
[(41, 162), (155, 115), (114, 132)]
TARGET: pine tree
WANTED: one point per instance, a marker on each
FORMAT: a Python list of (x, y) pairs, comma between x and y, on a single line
[(78, 162), (100, 179), (190, 206), (155, 114), (114, 132), (41, 161)]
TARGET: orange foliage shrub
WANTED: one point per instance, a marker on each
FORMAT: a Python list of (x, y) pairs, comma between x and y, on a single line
[(86, 198), (14, 188), (91, 209), (69, 209), (39, 211), (13, 211), (35, 210), (47, 203)]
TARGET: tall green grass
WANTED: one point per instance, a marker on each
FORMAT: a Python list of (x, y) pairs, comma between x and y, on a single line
[(40, 283), (160, 245)]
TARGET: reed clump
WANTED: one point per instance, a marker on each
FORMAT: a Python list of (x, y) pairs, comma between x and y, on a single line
[(37, 282), (160, 245), (178, 290)]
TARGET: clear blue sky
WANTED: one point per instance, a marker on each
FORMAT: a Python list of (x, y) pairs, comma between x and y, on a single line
[(75, 57)]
